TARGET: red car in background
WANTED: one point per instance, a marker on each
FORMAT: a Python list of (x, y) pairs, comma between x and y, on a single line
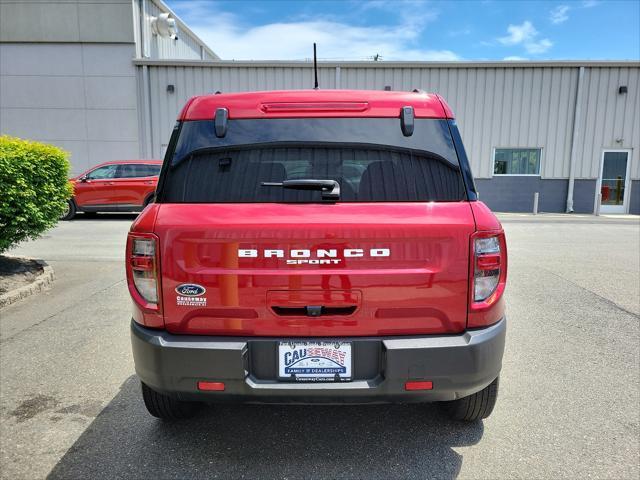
[(120, 186)]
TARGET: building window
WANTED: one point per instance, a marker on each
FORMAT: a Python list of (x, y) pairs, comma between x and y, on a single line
[(517, 161)]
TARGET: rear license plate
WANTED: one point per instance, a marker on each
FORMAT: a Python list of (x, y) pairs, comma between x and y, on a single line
[(314, 361)]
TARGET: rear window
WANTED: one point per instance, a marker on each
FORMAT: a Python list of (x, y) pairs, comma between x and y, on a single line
[(133, 170), (369, 158)]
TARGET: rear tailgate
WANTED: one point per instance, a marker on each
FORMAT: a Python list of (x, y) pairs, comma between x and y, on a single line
[(305, 270)]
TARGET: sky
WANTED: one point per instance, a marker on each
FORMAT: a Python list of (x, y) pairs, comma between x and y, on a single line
[(416, 29)]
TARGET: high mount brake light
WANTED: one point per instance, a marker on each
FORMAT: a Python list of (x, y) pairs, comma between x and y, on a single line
[(315, 107), (488, 276), (142, 270)]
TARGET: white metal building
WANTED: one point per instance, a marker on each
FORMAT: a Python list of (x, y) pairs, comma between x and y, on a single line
[(67, 75), (567, 130)]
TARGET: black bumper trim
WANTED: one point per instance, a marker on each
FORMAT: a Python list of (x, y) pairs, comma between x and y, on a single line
[(458, 365)]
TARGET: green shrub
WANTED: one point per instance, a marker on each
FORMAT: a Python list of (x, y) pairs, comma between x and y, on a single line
[(34, 189)]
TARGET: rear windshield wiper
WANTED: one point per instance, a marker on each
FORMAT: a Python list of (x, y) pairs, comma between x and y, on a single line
[(330, 188)]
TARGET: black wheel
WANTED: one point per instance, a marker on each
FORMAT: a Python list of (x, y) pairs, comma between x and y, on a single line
[(476, 406), (165, 407), (70, 211)]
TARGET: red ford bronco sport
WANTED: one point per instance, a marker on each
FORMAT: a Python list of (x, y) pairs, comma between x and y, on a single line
[(317, 247)]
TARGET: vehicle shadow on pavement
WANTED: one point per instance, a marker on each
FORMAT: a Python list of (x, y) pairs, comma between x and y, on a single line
[(258, 441)]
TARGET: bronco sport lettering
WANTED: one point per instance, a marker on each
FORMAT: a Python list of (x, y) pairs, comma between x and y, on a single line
[(320, 257)]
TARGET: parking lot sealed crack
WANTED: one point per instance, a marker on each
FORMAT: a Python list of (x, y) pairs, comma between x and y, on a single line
[(604, 299)]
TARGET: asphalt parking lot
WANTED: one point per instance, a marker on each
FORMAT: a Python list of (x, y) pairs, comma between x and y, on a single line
[(568, 406)]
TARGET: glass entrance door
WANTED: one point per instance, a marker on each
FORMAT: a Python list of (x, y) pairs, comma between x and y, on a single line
[(613, 180)]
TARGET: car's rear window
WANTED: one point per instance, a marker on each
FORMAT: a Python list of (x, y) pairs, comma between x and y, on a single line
[(370, 159)]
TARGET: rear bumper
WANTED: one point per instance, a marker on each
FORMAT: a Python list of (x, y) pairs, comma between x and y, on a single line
[(458, 365)]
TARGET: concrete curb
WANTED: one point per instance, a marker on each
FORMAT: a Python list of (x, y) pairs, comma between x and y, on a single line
[(42, 282)]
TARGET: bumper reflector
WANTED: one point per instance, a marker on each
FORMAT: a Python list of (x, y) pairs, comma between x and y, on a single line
[(418, 385), (211, 386)]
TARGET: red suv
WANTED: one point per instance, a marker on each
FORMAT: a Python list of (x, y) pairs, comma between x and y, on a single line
[(122, 186), (317, 247)]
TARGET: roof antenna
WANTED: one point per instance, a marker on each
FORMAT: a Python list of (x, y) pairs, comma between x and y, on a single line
[(315, 67)]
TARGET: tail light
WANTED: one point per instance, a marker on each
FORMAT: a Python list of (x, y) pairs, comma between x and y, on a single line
[(488, 277), (143, 271)]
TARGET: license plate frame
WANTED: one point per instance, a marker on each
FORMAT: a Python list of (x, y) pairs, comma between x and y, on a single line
[(316, 361)]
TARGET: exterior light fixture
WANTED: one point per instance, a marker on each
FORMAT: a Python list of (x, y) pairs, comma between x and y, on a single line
[(164, 26)]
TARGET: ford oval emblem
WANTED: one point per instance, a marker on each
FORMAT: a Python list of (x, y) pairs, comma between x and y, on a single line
[(190, 290)]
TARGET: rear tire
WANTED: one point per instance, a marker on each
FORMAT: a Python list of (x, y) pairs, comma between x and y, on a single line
[(70, 211), (476, 406), (165, 407)]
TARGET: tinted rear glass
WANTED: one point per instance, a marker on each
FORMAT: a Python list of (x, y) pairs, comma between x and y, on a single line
[(133, 170), (370, 159)]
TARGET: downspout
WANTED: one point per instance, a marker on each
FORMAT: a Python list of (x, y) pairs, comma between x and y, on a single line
[(143, 19), (146, 142), (574, 140), (146, 98)]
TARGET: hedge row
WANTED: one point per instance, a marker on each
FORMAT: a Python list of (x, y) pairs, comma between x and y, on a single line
[(34, 189)]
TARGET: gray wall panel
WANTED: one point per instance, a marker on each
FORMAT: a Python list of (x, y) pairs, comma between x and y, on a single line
[(108, 21), (44, 124), (58, 21), (79, 150), (110, 60), (89, 107), (23, 91), (516, 194), (40, 59), (110, 92), (117, 125), (28, 22), (100, 151), (634, 205), (584, 194)]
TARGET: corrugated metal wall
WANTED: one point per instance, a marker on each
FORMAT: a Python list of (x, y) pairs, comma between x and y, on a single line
[(609, 119), (496, 106)]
